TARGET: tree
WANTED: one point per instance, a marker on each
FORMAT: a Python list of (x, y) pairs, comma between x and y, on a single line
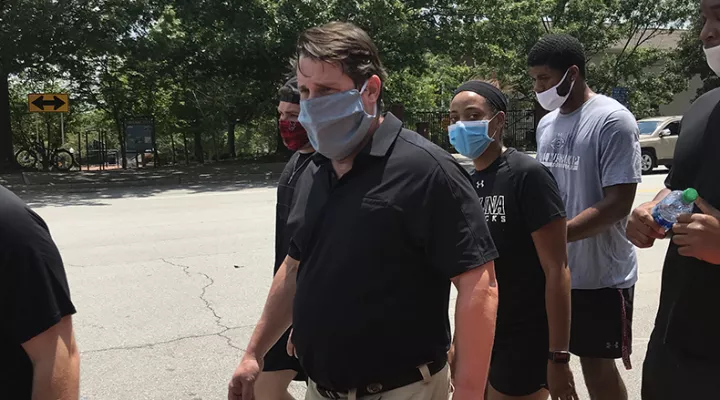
[(690, 61), (615, 34), (39, 34)]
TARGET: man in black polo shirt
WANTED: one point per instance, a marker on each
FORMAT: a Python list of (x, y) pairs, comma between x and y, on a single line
[(682, 360), (37, 344), (387, 220), (280, 368)]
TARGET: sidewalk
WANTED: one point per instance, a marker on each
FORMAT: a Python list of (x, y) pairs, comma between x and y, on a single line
[(223, 172)]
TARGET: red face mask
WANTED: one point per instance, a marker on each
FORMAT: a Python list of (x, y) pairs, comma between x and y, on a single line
[(293, 134)]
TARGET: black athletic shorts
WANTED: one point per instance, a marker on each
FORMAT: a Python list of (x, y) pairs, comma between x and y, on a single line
[(669, 376), (277, 359), (519, 360), (601, 323)]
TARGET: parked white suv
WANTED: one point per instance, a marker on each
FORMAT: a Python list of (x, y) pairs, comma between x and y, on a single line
[(658, 137)]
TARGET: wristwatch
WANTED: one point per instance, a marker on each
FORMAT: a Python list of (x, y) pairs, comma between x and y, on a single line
[(559, 357)]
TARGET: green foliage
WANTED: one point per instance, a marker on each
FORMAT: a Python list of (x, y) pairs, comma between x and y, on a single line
[(689, 60), (202, 68)]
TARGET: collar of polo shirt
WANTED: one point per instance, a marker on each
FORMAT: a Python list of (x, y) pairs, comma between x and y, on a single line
[(382, 139)]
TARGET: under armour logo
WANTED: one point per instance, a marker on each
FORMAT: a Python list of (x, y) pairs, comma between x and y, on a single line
[(480, 184)]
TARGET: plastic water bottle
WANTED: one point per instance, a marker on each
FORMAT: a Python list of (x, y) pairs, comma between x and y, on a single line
[(678, 202)]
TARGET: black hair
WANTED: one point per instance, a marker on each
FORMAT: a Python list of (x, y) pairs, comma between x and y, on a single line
[(289, 92), (559, 52)]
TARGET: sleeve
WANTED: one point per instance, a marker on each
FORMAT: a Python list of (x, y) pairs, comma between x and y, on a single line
[(299, 211), (457, 237), (620, 150), (539, 197), (40, 296), (282, 211), (669, 179)]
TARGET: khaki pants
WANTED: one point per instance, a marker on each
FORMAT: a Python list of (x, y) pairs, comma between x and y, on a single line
[(436, 388)]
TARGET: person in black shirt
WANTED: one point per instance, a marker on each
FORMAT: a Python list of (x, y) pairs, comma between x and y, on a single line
[(684, 348), (387, 221), (526, 216), (280, 368), (36, 336)]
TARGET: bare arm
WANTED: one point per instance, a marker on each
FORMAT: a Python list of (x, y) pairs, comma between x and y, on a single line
[(56, 363), (552, 250), (615, 206), (277, 314), (475, 316)]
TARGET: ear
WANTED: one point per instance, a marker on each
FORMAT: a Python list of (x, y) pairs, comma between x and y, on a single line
[(500, 119), (574, 73), (373, 89), (495, 130)]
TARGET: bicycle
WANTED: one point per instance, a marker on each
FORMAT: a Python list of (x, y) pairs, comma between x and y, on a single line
[(58, 159)]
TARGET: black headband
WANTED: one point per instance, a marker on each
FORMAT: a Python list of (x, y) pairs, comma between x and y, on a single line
[(290, 93), (491, 94)]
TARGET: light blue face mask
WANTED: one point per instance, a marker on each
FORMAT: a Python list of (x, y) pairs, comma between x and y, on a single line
[(470, 138), (336, 124)]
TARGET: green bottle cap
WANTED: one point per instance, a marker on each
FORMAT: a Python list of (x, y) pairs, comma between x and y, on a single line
[(689, 196)]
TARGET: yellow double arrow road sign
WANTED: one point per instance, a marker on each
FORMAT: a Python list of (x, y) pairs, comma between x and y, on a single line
[(48, 102)]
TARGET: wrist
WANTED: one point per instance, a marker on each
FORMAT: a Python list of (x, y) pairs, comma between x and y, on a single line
[(559, 357)]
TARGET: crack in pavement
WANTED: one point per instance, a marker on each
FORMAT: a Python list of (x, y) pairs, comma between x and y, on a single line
[(151, 345), (208, 306)]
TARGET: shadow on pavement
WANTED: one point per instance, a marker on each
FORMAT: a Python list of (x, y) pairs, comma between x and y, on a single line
[(38, 197)]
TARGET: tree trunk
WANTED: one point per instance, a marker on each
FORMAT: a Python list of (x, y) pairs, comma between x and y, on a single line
[(121, 138), (7, 159), (172, 144), (215, 146), (231, 138), (199, 156), (185, 149)]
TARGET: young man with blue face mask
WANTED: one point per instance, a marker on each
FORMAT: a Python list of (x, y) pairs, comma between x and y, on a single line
[(590, 144), (526, 216), (388, 221), (683, 352)]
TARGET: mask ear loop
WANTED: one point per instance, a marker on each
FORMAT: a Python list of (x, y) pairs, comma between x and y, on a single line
[(364, 86), (496, 130)]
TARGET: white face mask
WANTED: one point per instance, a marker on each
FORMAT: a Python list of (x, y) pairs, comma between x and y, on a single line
[(550, 99), (712, 55)]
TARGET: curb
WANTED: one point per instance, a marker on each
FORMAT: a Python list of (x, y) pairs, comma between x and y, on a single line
[(177, 180)]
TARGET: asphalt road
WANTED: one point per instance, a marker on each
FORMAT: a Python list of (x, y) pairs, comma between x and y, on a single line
[(169, 283)]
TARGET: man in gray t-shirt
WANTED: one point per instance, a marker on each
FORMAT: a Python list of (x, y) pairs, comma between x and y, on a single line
[(590, 143)]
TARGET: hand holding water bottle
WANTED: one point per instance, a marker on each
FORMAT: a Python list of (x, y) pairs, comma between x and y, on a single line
[(698, 235), (642, 230)]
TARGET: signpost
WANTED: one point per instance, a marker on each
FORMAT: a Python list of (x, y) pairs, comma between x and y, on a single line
[(50, 103)]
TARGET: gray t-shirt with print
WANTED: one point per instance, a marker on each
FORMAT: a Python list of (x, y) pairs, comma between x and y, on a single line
[(592, 148)]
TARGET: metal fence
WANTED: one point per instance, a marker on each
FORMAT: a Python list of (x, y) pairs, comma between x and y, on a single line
[(519, 128)]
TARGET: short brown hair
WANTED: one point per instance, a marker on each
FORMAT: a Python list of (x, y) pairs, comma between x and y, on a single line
[(345, 44)]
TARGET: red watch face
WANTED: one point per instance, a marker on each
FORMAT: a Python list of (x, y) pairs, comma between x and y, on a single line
[(560, 357)]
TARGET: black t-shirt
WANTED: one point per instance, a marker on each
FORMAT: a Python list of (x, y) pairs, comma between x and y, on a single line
[(285, 197), (520, 196), (34, 292), (378, 248), (687, 316)]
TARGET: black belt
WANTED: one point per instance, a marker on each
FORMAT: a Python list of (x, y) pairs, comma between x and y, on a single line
[(399, 380)]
